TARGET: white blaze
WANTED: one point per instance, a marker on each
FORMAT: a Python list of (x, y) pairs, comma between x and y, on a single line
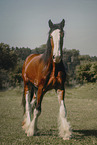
[(56, 40)]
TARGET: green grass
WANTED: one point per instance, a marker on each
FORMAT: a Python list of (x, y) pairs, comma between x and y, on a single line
[(81, 103)]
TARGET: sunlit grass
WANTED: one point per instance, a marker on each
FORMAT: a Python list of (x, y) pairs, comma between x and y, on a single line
[(81, 104)]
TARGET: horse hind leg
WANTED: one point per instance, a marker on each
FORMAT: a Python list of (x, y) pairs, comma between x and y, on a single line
[(27, 109)]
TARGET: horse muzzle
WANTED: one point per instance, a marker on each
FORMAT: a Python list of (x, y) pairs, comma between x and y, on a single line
[(57, 59)]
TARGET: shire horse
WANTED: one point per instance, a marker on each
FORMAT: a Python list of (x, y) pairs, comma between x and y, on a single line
[(41, 73)]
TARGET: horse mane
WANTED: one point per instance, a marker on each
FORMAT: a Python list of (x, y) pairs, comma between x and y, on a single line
[(47, 53)]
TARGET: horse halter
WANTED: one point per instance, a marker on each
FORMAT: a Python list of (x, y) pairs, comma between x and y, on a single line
[(56, 38)]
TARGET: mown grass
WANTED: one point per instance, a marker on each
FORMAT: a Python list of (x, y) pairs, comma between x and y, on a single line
[(81, 103)]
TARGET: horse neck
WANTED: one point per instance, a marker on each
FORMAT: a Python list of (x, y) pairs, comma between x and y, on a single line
[(47, 56)]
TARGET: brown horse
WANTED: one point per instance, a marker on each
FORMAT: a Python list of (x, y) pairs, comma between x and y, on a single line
[(43, 72)]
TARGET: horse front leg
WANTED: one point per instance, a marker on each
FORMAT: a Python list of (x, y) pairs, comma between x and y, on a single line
[(33, 102), (64, 127), (37, 111), (27, 115)]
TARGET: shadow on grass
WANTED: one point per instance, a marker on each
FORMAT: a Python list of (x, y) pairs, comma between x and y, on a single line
[(51, 132), (84, 133), (77, 134)]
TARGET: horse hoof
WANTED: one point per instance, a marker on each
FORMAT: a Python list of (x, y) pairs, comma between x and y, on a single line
[(23, 123), (66, 138), (30, 132), (24, 127)]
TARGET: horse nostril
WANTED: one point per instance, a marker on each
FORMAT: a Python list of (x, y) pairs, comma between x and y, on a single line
[(53, 56)]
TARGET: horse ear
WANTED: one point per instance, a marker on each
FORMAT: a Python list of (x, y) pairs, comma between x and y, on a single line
[(50, 23), (62, 23)]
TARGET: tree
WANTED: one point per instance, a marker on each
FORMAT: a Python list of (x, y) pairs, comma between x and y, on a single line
[(22, 53), (8, 61), (8, 58), (71, 60)]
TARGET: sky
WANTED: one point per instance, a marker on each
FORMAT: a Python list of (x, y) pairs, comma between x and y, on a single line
[(24, 23)]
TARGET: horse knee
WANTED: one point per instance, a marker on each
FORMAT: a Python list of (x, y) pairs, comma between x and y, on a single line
[(33, 102), (38, 107), (36, 113)]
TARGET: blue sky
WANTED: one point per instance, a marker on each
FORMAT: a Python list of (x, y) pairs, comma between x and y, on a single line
[(24, 23)]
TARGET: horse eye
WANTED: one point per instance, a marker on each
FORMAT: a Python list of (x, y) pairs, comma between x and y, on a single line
[(50, 37)]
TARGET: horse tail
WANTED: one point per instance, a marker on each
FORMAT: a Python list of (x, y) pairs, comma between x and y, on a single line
[(23, 102)]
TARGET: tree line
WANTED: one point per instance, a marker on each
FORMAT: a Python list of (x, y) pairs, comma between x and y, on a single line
[(79, 68)]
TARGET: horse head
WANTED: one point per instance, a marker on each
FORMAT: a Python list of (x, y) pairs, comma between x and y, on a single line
[(56, 35)]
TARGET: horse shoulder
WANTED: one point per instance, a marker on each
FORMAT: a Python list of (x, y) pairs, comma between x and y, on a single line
[(33, 69)]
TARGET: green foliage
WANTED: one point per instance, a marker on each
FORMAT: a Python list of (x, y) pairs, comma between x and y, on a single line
[(71, 60), (87, 72), (85, 58), (8, 61), (12, 59), (40, 50), (4, 79), (22, 53), (11, 62), (8, 58), (15, 76)]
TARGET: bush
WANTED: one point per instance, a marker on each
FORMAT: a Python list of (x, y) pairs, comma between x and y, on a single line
[(4, 79), (87, 72), (15, 76)]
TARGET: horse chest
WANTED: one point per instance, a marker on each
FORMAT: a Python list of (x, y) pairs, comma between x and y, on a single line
[(54, 81)]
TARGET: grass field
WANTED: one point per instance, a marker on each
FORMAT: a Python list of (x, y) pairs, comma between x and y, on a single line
[(81, 103)]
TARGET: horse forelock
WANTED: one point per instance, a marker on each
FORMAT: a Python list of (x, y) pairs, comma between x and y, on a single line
[(56, 26)]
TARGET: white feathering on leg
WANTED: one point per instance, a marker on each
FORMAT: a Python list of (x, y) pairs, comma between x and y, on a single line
[(64, 127), (27, 116), (33, 125)]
